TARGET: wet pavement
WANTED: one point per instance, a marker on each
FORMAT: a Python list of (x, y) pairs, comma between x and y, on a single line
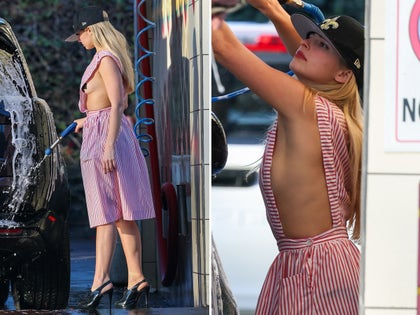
[(82, 269)]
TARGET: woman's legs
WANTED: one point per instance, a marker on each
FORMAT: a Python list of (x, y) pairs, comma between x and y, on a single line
[(106, 237), (131, 243)]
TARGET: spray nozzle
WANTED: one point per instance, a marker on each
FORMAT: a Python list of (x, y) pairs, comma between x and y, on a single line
[(70, 128)]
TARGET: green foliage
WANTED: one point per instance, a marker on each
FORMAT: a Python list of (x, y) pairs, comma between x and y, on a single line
[(57, 66)]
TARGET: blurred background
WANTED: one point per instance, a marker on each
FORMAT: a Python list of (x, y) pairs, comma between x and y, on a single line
[(240, 230)]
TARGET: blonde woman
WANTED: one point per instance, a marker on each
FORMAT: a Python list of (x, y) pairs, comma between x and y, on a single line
[(310, 174), (115, 175)]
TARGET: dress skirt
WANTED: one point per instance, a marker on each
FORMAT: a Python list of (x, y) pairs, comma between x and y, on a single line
[(124, 193)]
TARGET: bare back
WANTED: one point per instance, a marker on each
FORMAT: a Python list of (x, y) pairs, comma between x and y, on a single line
[(298, 179), (297, 174)]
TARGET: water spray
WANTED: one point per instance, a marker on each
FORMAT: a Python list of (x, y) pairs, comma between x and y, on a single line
[(70, 128)]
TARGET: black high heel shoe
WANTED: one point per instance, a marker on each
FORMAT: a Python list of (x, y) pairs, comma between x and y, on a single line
[(92, 301), (131, 296)]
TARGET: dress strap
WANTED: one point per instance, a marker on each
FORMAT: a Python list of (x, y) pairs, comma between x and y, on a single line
[(89, 72)]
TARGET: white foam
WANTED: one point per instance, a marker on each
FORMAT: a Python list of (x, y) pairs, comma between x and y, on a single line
[(18, 103)]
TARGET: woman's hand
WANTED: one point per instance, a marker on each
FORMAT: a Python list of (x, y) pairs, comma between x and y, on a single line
[(224, 3), (79, 123), (217, 20), (273, 10), (221, 8), (108, 159), (266, 7)]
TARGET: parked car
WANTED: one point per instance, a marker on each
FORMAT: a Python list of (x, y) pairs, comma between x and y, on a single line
[(246, 118), (34, 195)]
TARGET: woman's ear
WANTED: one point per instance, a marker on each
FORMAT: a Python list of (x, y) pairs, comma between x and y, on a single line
[(343, 76)]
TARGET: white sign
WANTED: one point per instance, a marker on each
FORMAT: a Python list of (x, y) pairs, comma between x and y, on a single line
[(402, 114)]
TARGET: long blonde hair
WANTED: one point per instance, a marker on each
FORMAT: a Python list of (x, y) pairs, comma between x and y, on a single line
[(346, 97), (107, 37)]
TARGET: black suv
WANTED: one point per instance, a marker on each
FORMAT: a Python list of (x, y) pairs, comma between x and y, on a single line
[(34, 195)]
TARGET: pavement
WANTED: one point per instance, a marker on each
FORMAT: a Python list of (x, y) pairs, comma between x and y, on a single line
[(82, 269)]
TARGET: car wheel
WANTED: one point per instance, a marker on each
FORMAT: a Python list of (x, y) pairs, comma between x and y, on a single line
[(4, 291), (45, 282)]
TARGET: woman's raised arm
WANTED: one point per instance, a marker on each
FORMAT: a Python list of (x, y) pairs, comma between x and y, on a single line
[(273, 10), (278, 89)]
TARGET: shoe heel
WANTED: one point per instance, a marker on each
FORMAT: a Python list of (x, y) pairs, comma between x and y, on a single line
[(110, 297), (146, 297), (94, 298), (131, 296)]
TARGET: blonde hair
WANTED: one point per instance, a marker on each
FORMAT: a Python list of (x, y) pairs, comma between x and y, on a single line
[(106, 36), (346, 97)]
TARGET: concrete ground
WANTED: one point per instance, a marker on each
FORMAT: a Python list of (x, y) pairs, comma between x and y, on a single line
[(82, 268)]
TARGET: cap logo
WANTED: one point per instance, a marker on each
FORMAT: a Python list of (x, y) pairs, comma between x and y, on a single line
[(357, 63), (329, 23), (84, 23)]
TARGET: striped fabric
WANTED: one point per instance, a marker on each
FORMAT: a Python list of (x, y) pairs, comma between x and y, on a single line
[(124, 193), (90, 70), (317, 275)]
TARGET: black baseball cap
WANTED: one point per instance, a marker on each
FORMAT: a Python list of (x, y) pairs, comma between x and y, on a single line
[(84, 17), (343, 32)]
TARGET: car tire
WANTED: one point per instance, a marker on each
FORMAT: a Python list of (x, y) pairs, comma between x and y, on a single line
[(45, 282), (4, 291)]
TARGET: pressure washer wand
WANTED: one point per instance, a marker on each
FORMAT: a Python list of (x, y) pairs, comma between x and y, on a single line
[(70, 128)]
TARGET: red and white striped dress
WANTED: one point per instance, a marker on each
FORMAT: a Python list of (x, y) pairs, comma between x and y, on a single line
[(320, 274), (124, 193)]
